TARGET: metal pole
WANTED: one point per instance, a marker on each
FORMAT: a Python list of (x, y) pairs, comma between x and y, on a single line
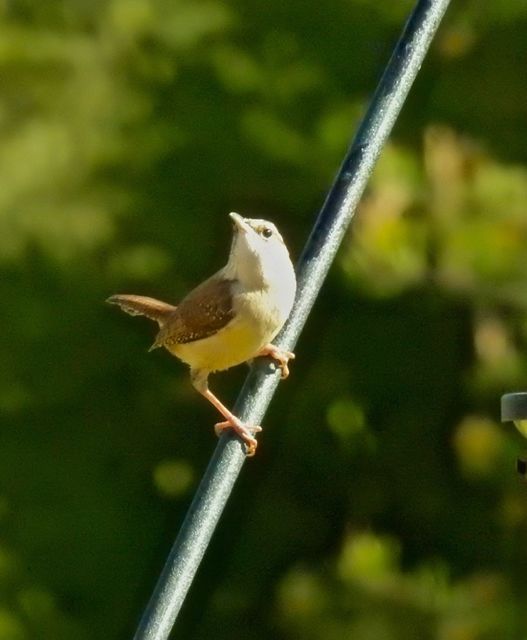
[(315, 261)]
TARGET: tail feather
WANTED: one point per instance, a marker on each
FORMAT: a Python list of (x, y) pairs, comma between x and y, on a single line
[(143, 306)]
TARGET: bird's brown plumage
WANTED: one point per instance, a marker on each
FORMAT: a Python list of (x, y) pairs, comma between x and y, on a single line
[(143, 306), (202, 313)]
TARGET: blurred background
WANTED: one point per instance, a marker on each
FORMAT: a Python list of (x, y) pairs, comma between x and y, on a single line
[(383, 503)]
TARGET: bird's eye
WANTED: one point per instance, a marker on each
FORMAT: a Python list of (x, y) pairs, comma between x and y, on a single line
[(266, 232)]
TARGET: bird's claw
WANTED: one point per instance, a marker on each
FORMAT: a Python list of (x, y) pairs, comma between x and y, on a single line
[(280, 355), (244, 431), (282, 363)]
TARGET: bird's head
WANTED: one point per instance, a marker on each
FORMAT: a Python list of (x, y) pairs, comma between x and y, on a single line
[(258, 252)]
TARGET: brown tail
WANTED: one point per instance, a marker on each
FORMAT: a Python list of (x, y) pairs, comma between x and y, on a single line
[(143, 306)]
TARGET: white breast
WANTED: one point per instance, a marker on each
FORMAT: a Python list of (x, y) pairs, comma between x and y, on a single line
[(258, 317)]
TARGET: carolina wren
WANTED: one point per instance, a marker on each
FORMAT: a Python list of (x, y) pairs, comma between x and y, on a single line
[(230, 318)]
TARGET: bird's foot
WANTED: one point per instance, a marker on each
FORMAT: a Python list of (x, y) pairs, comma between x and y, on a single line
[(280, 355), (244, 431)]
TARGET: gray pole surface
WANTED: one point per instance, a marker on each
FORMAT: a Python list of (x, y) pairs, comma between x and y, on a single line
[(315, 261)]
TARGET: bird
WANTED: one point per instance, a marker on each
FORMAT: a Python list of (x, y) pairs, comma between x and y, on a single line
[(230, 318)]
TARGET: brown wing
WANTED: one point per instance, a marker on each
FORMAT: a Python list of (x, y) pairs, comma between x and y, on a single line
[(202, 313)]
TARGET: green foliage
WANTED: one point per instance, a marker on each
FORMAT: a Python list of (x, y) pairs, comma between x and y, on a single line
[(382, 502)]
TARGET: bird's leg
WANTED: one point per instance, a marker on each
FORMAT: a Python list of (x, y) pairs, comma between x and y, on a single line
[(199, 380), (280, 355), (232, 422)]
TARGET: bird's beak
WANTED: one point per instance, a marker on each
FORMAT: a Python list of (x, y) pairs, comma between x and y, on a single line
[(239, 222)]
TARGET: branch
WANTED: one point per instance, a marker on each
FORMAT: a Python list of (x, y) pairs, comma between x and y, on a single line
[(315, 261)]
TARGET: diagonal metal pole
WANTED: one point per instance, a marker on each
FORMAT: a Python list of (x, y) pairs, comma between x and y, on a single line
[(315, 261)]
